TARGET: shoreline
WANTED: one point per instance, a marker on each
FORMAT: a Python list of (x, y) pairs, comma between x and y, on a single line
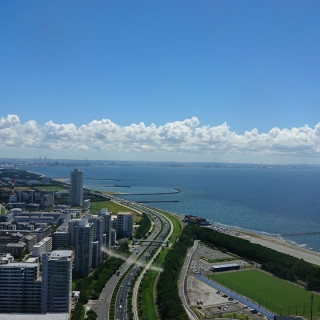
[(273, 242), (278, 244), (267, 240)]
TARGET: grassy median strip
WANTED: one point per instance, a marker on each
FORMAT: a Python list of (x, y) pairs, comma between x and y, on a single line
[(145, 297), (146, 304)]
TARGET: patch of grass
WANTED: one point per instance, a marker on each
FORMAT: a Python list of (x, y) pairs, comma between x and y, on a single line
[(198, 312), (147, 303), (111, 206), (235, 315), (217, 260), (282, 297), (160, 259), (49, 188)]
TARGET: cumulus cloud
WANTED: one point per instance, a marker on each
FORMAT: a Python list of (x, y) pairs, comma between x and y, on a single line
[(179, 136)]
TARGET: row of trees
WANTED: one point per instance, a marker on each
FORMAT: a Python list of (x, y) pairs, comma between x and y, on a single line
[(145, 225), (90, 287), (282, 265), (169, 303)]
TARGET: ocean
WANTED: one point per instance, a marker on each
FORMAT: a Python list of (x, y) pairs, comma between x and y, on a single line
[(274, 200)]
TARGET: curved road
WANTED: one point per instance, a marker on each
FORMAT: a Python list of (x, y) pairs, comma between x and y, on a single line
[(102, 307), (137, 284)]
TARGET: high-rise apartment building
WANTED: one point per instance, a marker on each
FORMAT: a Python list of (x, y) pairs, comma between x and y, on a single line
[(106, 216), (98, 239), (23, 289), (124, 225), (20, 288), (57, 281), (76, 188), (81, 237)]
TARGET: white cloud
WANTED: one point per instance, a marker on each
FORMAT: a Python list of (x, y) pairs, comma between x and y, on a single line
[(186, 136), (10, 120)]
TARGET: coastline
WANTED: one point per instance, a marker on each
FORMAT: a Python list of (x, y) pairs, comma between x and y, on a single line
[(208, 186), (278, 244), (267, 240)]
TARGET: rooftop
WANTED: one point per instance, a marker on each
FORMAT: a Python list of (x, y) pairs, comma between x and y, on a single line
[(24, 316), (61, 254)]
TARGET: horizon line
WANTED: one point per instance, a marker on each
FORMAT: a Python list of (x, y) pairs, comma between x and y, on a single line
[(48, 159)]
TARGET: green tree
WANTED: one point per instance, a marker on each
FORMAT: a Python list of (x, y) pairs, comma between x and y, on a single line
[(78, 313), (91, 315)]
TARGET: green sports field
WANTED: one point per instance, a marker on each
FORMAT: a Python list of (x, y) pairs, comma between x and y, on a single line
[(280, 296)]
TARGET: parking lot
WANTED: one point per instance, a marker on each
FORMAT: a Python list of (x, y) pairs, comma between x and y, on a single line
[(204, 258), (216, 310), (207, 299)]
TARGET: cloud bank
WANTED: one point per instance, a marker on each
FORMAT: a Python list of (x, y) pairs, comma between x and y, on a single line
[(186, 136)]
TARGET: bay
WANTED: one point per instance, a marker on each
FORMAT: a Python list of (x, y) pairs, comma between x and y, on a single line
[(274, 200)]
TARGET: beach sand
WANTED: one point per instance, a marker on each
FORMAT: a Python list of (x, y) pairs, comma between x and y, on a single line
[(272, 242), (278, 244)]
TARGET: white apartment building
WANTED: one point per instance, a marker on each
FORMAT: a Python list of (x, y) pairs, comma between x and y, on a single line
[(45, 245)]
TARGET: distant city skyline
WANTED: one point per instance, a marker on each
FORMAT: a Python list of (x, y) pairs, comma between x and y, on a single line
[(226, 81)]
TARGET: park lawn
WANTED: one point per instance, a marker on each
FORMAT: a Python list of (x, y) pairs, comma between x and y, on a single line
[(282, 297), (111, 206), (50, 188), (114, 208)]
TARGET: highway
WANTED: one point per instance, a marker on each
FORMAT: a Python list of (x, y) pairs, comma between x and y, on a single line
[(165, 235), (133, 265), (146, 251)]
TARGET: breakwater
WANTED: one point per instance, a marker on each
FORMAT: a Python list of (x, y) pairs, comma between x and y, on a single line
[(150, 194)]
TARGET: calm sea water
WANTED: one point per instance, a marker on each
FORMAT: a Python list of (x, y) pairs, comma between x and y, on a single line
[(272, 200)]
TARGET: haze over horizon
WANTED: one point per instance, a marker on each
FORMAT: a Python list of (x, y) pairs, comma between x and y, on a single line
[(212, 81)]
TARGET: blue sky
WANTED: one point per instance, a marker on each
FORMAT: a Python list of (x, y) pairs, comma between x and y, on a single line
[(210, 71)]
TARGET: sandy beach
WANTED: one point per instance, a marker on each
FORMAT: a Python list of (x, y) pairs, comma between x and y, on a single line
[(272, 242), (280, 245)]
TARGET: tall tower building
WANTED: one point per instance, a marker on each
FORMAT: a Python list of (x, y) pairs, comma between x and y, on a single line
[(124, 225), (76, 188), (106, 216), (57, 281), (98, 239), (81, 237)]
